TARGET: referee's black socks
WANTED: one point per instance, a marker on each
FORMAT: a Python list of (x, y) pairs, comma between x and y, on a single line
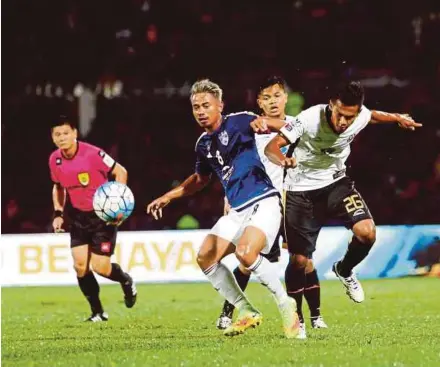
[(90, 288), (118, 275)]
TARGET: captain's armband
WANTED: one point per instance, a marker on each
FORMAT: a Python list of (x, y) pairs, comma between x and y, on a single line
[(289, 132)]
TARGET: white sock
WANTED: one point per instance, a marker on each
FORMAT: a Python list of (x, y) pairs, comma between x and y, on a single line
[(224, 282), (268, 277)]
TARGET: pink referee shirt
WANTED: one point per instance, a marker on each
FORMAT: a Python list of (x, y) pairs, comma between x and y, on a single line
[(82, 174)]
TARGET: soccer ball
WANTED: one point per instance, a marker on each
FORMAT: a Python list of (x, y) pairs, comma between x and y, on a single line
[(112, 201)]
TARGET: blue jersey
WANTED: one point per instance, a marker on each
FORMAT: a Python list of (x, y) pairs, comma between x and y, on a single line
[(231, 153)]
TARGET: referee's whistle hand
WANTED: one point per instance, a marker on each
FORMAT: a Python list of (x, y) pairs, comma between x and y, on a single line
[(57, 225)]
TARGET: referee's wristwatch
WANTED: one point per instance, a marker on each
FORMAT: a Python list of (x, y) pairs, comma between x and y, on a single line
[(58, 213)]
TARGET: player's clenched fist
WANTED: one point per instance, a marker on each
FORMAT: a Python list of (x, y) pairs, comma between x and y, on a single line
[(259, 126), (155, 207), (288, 162), (57, 224)]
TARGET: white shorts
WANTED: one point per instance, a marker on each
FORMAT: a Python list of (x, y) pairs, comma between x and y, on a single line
[(264, 214)]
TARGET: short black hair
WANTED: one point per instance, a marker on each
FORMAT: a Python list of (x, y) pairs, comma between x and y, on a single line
[(350, 93), (61, 120), (272, 80)]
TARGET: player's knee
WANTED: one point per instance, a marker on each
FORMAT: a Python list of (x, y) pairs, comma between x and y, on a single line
[(103, 268), (207, 253), (80, 269), (299, 261), (309, 267), (245, 254), (200, 259), (204, 257), (365, 232)]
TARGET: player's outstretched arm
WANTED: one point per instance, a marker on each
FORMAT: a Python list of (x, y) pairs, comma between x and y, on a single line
[(190, 186), (273, 152), (59, 199), (120, 174), (264, 125), (405, 121)]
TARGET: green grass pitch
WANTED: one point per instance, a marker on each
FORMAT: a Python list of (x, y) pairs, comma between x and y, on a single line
[(173, 325)]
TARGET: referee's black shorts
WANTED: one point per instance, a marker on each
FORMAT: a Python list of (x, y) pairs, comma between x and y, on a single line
[(87, 229)]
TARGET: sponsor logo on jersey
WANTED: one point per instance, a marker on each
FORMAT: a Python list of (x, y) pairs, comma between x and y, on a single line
[(288, 126), (227, 173), (224, 138), (84, 178)]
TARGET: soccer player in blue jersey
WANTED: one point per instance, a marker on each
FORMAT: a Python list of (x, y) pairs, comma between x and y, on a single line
[(228, 149)]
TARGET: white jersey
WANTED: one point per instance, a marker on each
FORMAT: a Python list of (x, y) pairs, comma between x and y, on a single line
[(320, 153), (275, 172)]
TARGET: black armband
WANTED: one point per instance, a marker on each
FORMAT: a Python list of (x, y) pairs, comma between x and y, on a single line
[(58, 213)]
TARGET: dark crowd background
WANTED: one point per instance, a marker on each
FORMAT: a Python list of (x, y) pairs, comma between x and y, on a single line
[(138, 58)]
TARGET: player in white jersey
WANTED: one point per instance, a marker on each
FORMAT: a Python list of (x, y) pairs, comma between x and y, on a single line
[(318, 188), (272, 99)]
